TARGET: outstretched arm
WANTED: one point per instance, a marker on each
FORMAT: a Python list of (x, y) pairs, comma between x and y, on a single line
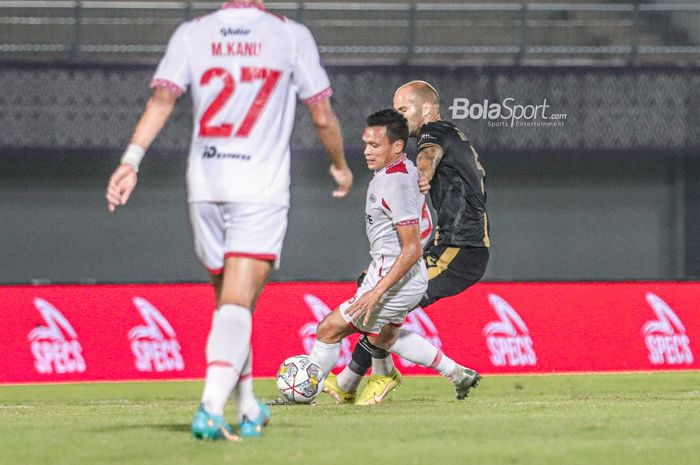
[(123, 180), (328, 131), (426, 162)]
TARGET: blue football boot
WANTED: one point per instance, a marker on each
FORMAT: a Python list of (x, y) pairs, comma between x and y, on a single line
[(212, 427), (253, 428)]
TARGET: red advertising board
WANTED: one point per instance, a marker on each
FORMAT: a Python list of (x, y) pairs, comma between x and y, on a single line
[(132, 332)]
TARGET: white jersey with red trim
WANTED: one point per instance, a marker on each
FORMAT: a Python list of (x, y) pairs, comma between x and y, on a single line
[(393, 199), (246, 68)]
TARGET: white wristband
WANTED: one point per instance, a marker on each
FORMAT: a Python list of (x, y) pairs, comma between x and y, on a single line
[(133, 155)]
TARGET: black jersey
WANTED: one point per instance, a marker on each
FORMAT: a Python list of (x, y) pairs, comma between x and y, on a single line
[(457, 189)]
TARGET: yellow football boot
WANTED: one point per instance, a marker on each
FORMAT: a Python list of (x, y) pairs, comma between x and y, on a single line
[(378, 387), (330, 386)]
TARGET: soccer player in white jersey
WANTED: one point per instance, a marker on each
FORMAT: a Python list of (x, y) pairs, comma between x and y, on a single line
[(456, 260), (396, 224), (245, 68)]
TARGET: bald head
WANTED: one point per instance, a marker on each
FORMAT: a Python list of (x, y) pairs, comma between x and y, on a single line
[(419, 103), (422, 90)]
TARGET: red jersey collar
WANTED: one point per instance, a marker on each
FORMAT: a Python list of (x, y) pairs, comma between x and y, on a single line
[(401, 159), (242, 4)]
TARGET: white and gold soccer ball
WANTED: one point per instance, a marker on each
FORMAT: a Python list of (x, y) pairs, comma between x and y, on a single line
[(299, 379)]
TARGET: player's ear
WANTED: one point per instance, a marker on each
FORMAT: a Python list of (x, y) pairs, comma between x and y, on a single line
[(398, 146), (425, 109)]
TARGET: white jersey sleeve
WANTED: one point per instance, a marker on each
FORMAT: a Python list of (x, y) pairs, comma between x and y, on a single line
[(174, 69), (308, 74), (402, 200)]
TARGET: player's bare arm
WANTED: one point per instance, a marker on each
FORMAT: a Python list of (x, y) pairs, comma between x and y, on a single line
[(427, 160), (123, 181), (328, 131), (411, 252), (158, 109)]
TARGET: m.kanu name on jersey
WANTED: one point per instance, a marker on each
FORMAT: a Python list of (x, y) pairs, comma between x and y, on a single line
[(238, 49)]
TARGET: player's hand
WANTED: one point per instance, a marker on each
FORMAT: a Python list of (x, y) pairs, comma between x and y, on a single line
[(343, 178), (120, 186), (366, 304), (423, 183)]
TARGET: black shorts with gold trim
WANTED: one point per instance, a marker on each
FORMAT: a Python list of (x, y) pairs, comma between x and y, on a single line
[(451, 270)]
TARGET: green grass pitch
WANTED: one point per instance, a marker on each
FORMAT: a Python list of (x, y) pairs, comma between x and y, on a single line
[(629, 419)]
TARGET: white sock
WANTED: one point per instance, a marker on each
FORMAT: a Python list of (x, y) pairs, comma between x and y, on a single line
[(243, 396), (417, 349), (382, 366), (348, 380), (227, 349), (414, 348), (326, 355), (445, 366)]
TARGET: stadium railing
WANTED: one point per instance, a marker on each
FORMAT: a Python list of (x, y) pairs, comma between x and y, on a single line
[(373, 32)]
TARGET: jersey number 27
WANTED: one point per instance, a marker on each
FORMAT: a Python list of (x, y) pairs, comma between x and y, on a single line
[(248, 74)]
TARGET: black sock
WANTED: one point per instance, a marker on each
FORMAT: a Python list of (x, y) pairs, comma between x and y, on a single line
[(362, 356)]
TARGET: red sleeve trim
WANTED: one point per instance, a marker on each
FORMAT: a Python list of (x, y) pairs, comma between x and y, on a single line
[(215, 271), (406, 222), (324, 94), (257, 256), (170, 85)]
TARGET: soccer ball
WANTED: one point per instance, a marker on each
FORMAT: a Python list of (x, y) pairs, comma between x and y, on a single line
[(299, 379)]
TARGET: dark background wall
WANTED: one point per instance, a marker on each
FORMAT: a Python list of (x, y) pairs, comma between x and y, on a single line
[(612, 195)]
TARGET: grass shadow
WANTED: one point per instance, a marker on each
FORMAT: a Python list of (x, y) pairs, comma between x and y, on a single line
[(170, 427)]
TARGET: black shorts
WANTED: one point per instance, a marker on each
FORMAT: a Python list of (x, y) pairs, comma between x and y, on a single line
[(451, 270)]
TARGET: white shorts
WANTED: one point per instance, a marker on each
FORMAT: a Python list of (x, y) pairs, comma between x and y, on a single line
[(235, 229), (391, 310)]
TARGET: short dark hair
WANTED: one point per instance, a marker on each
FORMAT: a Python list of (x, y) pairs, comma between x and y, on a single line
[(396, 125)]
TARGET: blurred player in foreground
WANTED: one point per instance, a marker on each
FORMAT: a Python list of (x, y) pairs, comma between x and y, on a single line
[(246, 68), (397, 278), (449, 169)]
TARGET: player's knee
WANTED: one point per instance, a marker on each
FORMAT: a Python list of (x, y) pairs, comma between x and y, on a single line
[(377, 342), (388, 335), (391, 340), (328, 331), (385, 339), (237, 296)]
